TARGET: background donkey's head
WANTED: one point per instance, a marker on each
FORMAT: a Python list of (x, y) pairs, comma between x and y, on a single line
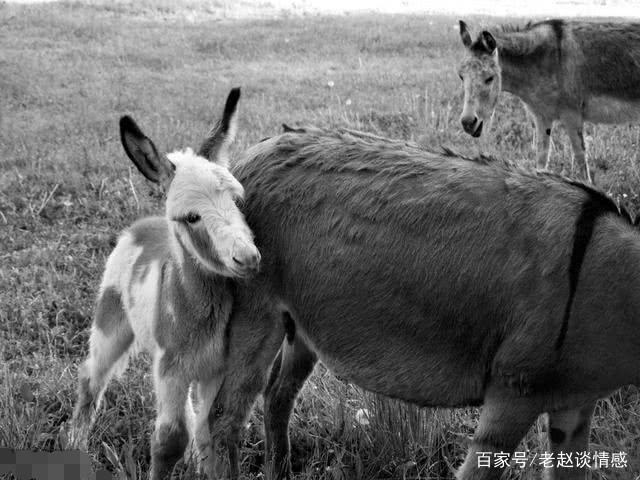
[(481, 76), (204, 220)]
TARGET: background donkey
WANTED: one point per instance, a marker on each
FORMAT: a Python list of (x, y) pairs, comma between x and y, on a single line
[(168, 287), (567, 71), (441, 281)]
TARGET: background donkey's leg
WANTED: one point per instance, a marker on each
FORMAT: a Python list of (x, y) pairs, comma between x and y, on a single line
[(294, 364), (574, 124), (504, 421), (569, 434), (170, 437), (543, 126), (111, 337)]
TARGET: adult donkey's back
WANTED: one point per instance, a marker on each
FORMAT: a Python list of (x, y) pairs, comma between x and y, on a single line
[(570, 71), (438, 280)]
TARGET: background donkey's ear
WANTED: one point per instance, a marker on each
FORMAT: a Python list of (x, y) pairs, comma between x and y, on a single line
[(488, 41), (464, 34), (143, 152), (215, 147)]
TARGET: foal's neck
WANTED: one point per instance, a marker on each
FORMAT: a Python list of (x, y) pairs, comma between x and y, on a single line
[(203, 290)]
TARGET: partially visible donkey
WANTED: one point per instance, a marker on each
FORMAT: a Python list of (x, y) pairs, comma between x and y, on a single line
[(438, 280), (168, 287), (567, 71)]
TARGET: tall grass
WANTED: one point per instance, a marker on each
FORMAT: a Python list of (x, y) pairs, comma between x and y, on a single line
[(69, 70)]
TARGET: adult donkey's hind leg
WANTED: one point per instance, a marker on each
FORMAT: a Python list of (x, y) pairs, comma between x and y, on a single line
[(569, 434), (291, 368), (504, 420)]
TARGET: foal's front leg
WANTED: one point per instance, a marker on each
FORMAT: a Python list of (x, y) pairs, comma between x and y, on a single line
[(170, 437), (206, 393)]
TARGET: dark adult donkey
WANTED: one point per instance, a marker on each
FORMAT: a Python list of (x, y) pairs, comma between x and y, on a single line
[(570, 71), (435, 279)]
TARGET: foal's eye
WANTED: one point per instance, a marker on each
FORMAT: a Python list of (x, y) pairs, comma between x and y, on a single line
[(192, 217), (488, 80), (459, 75)]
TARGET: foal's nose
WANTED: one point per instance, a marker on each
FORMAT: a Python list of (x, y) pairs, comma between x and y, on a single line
[(247, 257), (469, 123)]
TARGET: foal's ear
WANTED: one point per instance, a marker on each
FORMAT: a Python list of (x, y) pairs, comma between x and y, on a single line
[(464, 34), (488, 41), (216, 146), (143, 153)]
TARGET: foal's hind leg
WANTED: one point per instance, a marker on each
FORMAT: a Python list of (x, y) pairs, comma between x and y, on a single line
[(111, 337), (504, 421), (293, 365), (569, 435)]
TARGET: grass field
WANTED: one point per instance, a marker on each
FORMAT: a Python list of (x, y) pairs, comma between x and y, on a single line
[(68, 71)]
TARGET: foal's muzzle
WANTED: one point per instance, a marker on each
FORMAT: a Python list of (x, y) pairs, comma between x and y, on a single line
[(246, 259)]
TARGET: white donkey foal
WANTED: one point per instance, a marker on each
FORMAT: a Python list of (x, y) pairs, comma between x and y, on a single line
[(167, 287)]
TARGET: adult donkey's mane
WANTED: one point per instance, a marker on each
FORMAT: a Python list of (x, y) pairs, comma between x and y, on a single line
[(521, 43), (514, 27), (363, 154), (412, 187)]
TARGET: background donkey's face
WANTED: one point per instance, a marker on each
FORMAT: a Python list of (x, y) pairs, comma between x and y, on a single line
[(204, 218), (201, 209), (481, 78)]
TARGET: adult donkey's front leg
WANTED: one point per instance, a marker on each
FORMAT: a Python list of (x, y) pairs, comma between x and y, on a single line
[(291, 368), (504, 420), (569, 436)]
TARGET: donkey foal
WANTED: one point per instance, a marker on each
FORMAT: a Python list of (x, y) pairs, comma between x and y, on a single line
[(168, 288)]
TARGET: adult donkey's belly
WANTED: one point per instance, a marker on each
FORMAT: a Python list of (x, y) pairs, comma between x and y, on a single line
[(423, 329), (608, 109)]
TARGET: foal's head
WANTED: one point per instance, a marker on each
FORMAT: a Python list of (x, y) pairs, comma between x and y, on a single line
[(481, 76), (204, 220)]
